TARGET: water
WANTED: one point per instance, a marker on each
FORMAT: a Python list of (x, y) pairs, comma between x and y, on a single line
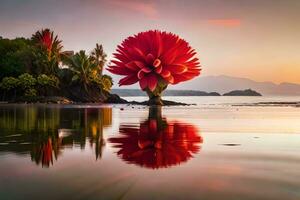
[(212, 150)]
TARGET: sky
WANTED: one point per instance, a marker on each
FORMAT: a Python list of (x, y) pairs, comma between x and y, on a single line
[(256, 39)]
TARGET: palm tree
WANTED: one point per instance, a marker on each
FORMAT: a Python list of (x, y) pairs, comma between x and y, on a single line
[(47, 41), (82, 67), (99, 57)]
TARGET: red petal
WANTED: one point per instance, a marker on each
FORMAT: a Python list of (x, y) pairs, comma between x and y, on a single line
[(120, 57), (118, 63), (158, 43), (156, 63), (119, 70), (139, 52), (170, 79), (176, 69), (128, 80), (146, 69), (131, 65), (143, 83), (141, 74), (158, 69), (152, 82), (140, 64), (150, 59), (165, 73)]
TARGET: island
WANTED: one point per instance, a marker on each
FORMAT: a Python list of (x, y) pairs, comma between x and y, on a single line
[(247, 92), (38, 70)]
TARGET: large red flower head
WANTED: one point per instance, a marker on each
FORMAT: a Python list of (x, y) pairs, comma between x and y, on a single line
[(154, 57), (157, 144)]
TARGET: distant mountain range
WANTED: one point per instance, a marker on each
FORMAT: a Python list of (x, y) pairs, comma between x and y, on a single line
[(223, 84), (138, 92)]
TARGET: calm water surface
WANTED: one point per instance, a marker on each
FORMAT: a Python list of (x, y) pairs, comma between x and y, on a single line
[(208, 151)]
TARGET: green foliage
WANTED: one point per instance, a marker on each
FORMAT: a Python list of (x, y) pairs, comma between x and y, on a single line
[(43, 80), (87, 69), (50, 50), (27, 81), (106, 83), (20, 55), (16, 57), (30, 67), (82, 67), (99, 58), (9, 83)]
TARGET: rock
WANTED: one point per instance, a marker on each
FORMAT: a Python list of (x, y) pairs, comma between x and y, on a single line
[(43, 99), (78, 94), (116, 99)]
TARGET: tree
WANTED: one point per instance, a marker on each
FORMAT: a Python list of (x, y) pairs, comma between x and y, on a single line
[(16, 57), (27, 83), (46, 84), (99, 57), (9, 84), (51, 48), (82, 67)]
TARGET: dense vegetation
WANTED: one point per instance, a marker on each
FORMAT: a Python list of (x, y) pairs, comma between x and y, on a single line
[(36, 68)]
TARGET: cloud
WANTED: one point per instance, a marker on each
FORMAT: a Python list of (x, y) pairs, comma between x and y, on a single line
[(143, 7), (225, 22)]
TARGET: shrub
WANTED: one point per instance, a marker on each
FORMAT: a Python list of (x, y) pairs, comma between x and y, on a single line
[(9, 83), (26, 81), (106, 82), (44, 80)]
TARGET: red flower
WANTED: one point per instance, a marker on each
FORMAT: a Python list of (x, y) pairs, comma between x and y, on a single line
[(153, 57), (157, 144), (47, 40)]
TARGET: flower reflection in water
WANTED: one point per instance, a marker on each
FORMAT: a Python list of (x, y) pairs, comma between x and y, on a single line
[(157, 142)]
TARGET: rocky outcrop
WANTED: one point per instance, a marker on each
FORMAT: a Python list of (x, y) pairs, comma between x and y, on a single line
[(116, 99), (79, 94)]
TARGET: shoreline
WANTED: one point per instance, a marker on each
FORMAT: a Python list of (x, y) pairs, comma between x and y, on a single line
[(112, 99)]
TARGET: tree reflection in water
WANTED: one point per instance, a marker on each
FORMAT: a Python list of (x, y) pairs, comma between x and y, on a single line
[(44, 132), (157, 142)]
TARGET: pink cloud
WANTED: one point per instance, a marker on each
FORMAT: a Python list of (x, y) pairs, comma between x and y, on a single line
[(225, 22), (146, 8)]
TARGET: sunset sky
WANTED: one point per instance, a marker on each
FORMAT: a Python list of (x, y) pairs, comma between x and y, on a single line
[(256, 39)]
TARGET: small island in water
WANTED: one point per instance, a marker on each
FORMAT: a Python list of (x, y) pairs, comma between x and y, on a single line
[(247, 92), (37, 69)]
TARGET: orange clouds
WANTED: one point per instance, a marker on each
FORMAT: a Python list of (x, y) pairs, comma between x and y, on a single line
[(225, 22), (146, 8)]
